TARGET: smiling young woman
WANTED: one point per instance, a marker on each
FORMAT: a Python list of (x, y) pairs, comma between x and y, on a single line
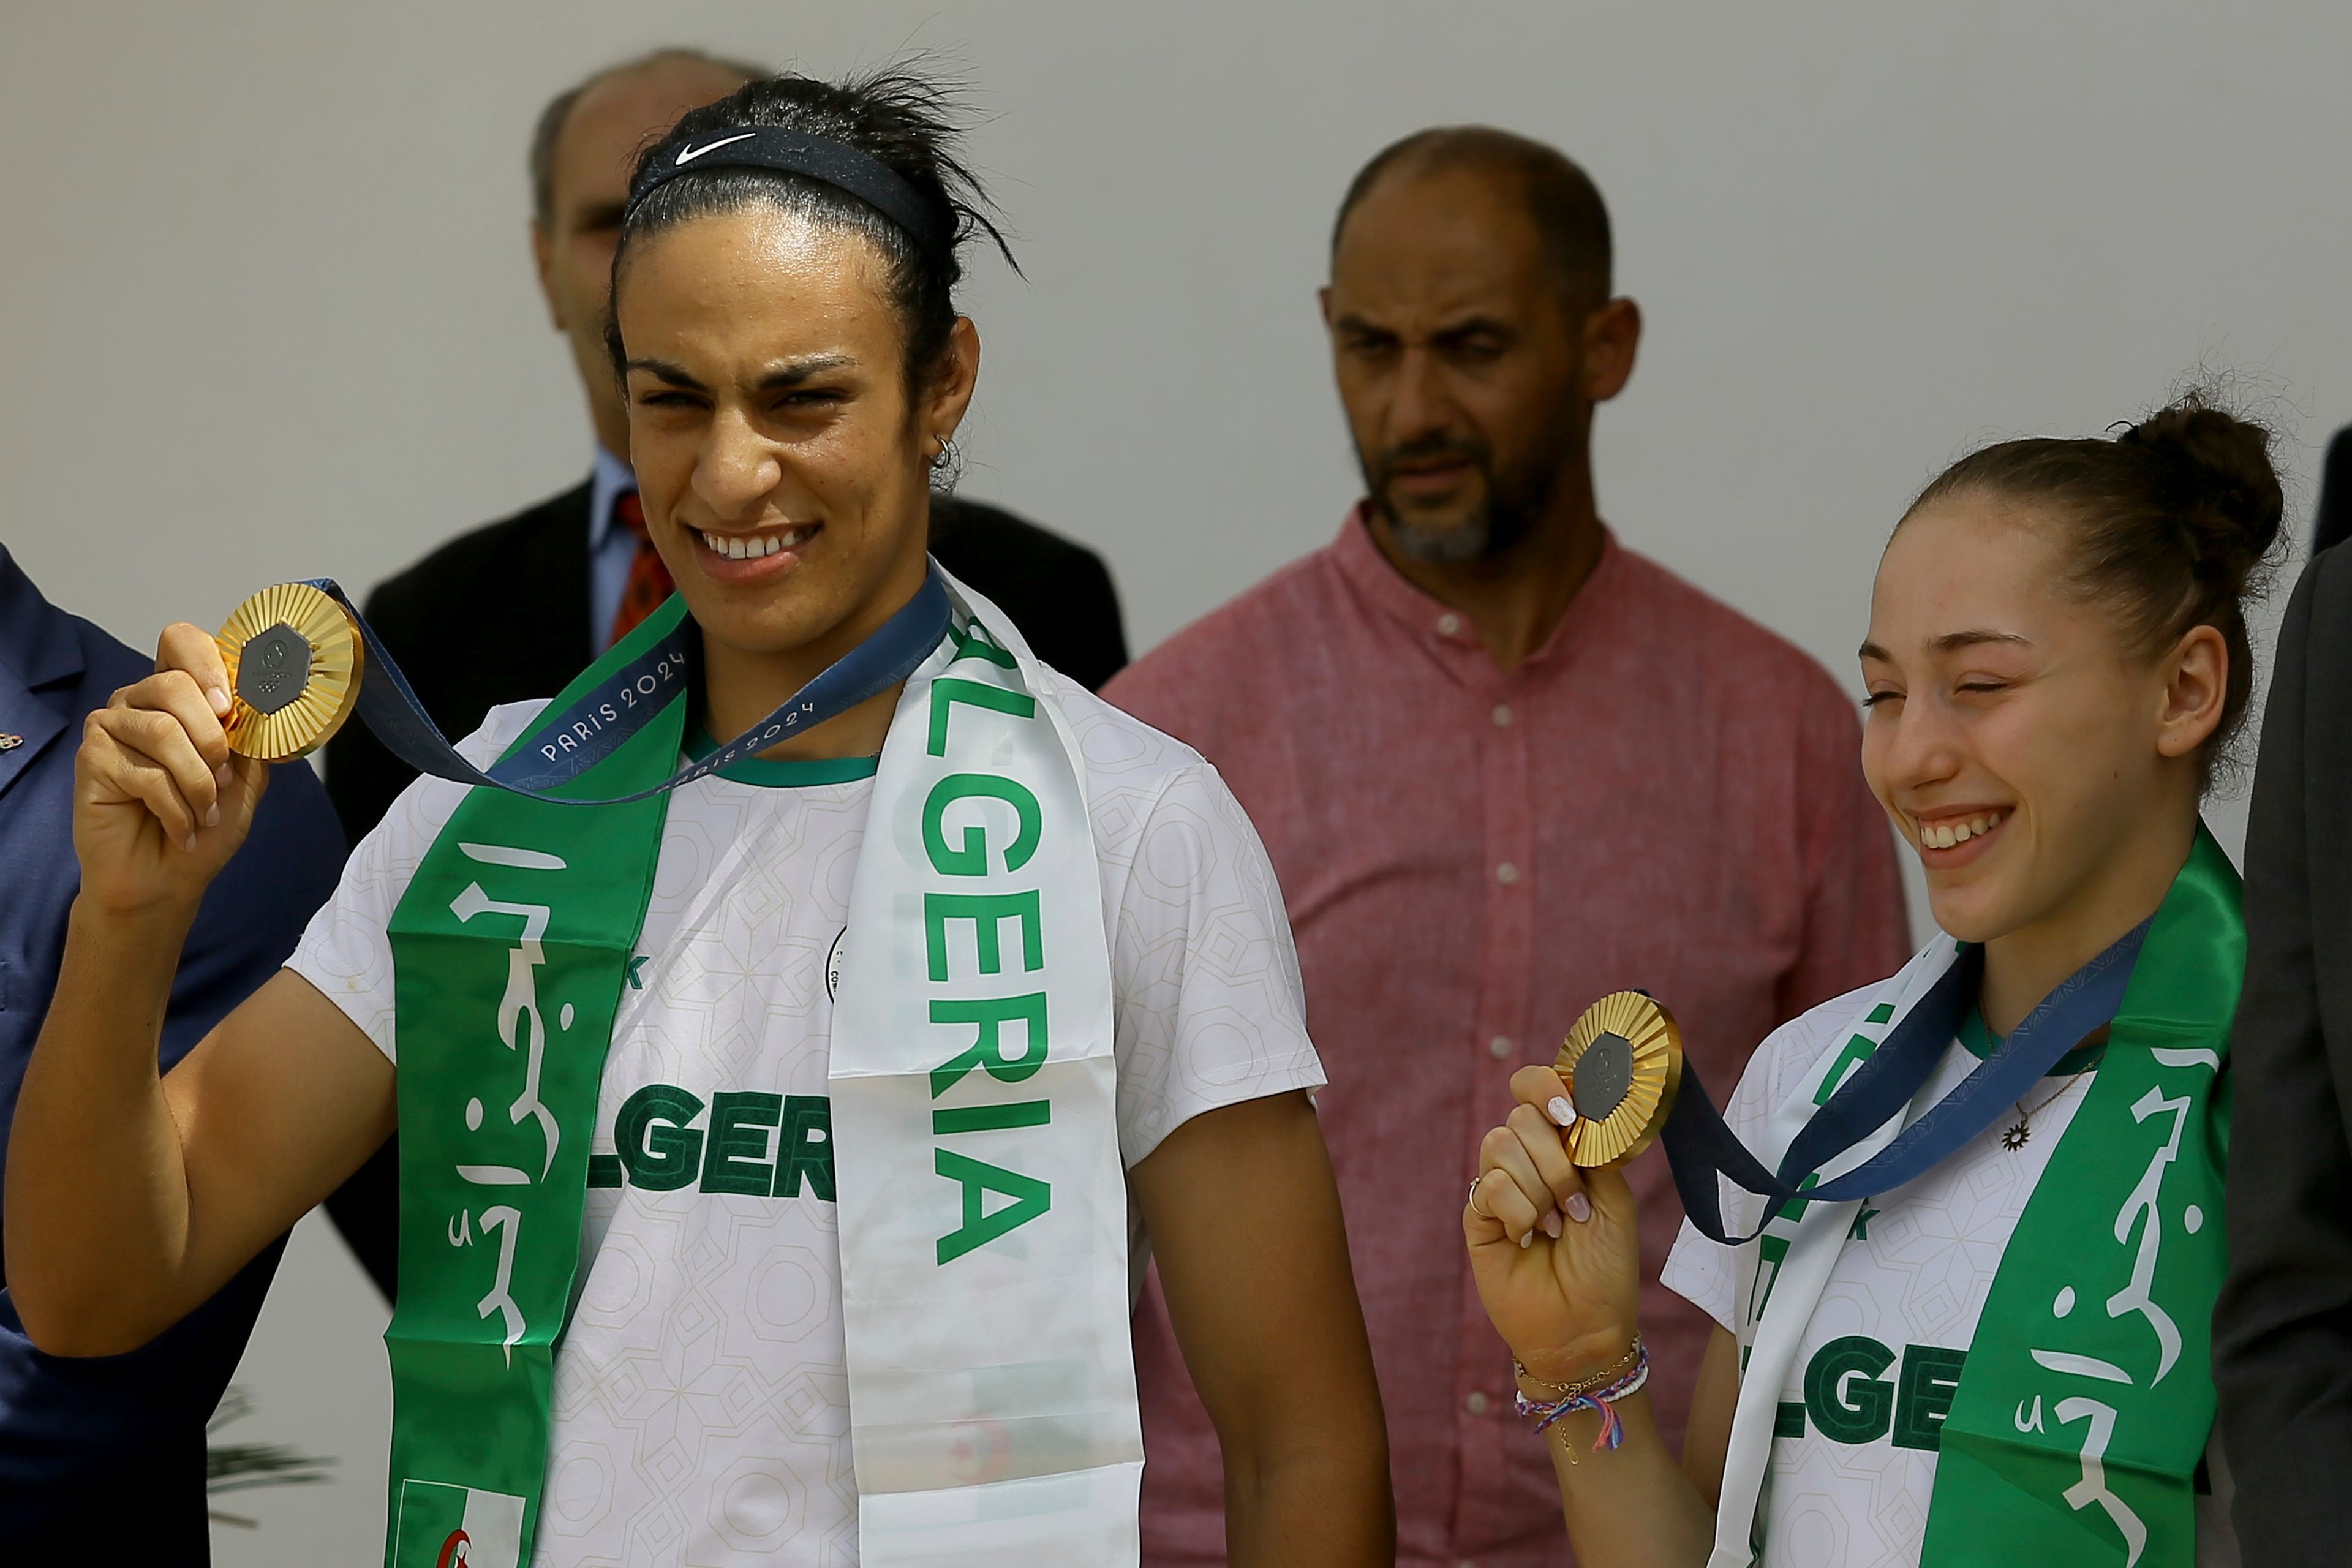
[(778, 1152), (1986, 1338)]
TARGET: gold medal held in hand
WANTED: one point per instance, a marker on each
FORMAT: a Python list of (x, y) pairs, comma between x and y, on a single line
[(1623, 1061), (294, 663)]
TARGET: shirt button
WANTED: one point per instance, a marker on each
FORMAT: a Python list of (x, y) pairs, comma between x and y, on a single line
[(1448, 624), (1502, 714), (1475, 1404), (1506, 873), (1499, 1046)]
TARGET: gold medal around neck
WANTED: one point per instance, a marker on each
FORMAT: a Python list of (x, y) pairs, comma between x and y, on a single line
[(1623, 1061), (294, 663)]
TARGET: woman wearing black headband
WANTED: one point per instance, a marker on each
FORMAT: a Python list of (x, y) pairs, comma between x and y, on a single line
[(1022, 957)]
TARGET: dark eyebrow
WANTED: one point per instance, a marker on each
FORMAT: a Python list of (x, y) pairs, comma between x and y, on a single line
[(1356, 324), (785, 376), (1461, 331), (674, 374), (1950, 642), (800, 370)]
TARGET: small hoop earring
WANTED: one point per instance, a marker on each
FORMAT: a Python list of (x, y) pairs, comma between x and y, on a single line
[(946, 465)]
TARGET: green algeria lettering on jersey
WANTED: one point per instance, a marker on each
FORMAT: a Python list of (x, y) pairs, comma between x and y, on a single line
[(1851, 1398), (664, 1142)]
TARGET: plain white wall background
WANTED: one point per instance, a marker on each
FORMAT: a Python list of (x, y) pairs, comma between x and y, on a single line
[(266, 309)]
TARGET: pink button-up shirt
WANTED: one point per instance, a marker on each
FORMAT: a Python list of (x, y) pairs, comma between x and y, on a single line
[(1664, 795)]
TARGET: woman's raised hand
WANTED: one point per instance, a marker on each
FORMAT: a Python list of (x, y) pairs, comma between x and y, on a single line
[(1554, 1248), (160, 802)]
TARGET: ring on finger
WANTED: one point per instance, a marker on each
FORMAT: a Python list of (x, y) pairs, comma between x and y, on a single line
[(1482, 1213)]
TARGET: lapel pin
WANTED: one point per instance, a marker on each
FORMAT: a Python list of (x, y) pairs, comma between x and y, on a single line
[(10, 742)]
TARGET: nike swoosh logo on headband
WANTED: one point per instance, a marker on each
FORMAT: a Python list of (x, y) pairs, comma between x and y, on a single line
[(687, 154)]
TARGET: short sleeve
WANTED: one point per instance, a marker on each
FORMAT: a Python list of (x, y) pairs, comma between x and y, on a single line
[(346, 950), (1210, 1009), (1704, 1273)]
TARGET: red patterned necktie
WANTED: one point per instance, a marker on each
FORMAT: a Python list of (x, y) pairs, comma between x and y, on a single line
[(649, 580)]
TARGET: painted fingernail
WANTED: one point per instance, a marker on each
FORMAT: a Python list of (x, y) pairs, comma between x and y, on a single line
[(189, 844), (1551, 1225), (218, 696), (212, 815), (1562, 1111), (1578, 1206), (1527, 1240), (222, 775)]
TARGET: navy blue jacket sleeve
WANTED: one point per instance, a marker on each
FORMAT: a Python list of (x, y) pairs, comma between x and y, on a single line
[(126, 1434), (255, 911)]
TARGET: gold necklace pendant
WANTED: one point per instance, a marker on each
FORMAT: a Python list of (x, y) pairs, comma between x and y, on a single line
[(1623, 1061), (295, 659)]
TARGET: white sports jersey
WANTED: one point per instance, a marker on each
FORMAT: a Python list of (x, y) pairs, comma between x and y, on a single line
[(1853, 1460), (701, 1404)]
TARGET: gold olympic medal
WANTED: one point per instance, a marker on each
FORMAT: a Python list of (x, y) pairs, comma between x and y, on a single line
[(1623, 1061), (294, 663)]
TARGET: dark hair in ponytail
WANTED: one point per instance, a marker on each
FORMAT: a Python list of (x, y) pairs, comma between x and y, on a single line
[(906, 121), (2172, 524)]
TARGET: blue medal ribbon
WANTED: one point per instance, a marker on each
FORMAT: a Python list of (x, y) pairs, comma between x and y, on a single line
[(1700, 1147), (561, 746)]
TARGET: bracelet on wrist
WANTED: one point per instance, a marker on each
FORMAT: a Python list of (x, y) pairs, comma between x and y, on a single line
[(1601, 1379), (1600, 1392)]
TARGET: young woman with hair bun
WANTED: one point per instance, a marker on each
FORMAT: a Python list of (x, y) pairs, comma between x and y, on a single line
[(2000, 1354)]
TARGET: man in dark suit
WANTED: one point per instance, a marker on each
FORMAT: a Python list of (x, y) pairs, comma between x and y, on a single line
[(2283, 1328), (111, 1450), (514, 610), (2332, 520)]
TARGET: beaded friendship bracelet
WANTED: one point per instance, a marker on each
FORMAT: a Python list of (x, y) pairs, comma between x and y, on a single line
[(1602, 1392)]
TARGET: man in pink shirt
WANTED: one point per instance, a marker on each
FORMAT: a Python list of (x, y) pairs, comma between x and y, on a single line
[(1504, 766)]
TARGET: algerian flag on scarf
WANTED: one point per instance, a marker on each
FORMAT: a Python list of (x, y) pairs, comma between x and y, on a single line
[(460, 1527), (983, 1202), (2086, 1401)]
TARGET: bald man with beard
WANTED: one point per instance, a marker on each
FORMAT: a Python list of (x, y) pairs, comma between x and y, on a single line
[(1504, 765)]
